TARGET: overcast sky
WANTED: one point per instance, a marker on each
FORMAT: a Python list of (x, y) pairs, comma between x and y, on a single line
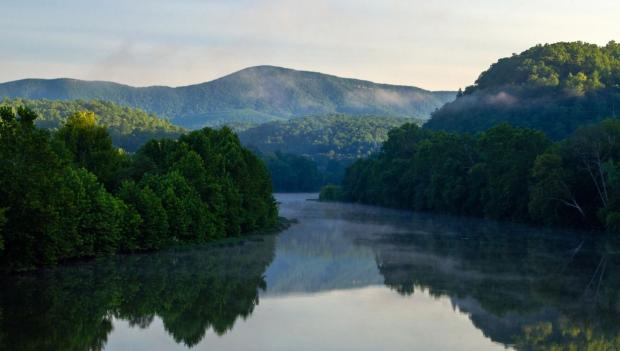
[(436, 44)]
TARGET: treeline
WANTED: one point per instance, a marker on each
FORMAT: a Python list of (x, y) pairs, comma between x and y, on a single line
[(304, 154), (505, 173), (129, 127), (333, 136), (72, 194), (555, 88), (298, 173), (293, 173)]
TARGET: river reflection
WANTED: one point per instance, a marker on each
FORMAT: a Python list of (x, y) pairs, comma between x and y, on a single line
[(345, 277)]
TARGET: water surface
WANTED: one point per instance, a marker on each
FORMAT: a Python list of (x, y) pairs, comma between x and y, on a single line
[(345, 277)]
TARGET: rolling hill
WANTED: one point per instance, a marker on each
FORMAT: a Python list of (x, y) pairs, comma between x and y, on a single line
[(555, 88), (338, 137), (128, 127), (256, 95), (304, 153)]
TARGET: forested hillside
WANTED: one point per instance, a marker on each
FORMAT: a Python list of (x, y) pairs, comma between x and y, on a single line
[(129, 127), (338, 137), (71, 194), (256, 94), (296, 149), (555, 88), (505, 173)]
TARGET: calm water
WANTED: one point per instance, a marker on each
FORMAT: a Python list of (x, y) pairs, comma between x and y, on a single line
[(345, 277)]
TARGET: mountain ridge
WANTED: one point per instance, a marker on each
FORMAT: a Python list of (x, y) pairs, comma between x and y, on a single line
[(255, 94), (257, 67)]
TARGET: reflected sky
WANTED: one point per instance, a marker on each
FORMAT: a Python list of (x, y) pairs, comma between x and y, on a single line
[(344, 277), (369, 318)]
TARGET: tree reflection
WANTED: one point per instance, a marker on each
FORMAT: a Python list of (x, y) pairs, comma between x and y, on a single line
[(191, 290), (532, 289)]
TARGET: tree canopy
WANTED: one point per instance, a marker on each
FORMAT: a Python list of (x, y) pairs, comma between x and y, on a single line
[(555, 88), (128, 127), (293, 149), (335, 136), (503, 173), (71, 194)]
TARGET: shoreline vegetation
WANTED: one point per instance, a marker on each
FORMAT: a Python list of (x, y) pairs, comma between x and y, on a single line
[(71, 194), (281, 225), (505, 173), (535, 139), (528, 142)]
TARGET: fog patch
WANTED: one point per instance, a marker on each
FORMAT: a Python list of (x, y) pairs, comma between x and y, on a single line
[(501, 98), (363, 97), (386, 97)]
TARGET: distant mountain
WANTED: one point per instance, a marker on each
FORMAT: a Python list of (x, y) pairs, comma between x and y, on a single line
[(256, 95), (555, 88)]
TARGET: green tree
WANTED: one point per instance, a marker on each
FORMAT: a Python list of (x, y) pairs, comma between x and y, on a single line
[(90, 146), (54, 205), (553, 195), (154, 226), (187, 214), (555, 88), (507, 155), (32, 191)]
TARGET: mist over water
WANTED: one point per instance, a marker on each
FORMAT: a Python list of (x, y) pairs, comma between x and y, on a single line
[(345, 277)]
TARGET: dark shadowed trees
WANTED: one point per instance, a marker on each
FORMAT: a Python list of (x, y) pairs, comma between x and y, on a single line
[(73, 194)]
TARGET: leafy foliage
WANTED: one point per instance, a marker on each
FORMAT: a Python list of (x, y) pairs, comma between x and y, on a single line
[(256, 95), (335, 136), (330, 142), (72, 194), (502, 173), (555, 88), (129, 128)]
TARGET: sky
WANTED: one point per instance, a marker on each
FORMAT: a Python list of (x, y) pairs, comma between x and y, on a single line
[(437, 45)]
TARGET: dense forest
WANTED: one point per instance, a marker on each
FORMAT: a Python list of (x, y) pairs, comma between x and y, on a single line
[(339, 137), (129, 127), (72, 194), (255, 94), (555, 88), (506, 173), (293, 149), (293, 173)]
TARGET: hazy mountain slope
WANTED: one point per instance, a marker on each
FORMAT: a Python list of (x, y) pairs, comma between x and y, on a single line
[(555, 88), (256, 94)]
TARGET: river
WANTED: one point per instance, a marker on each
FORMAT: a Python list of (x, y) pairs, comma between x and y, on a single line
[(344, 277)]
